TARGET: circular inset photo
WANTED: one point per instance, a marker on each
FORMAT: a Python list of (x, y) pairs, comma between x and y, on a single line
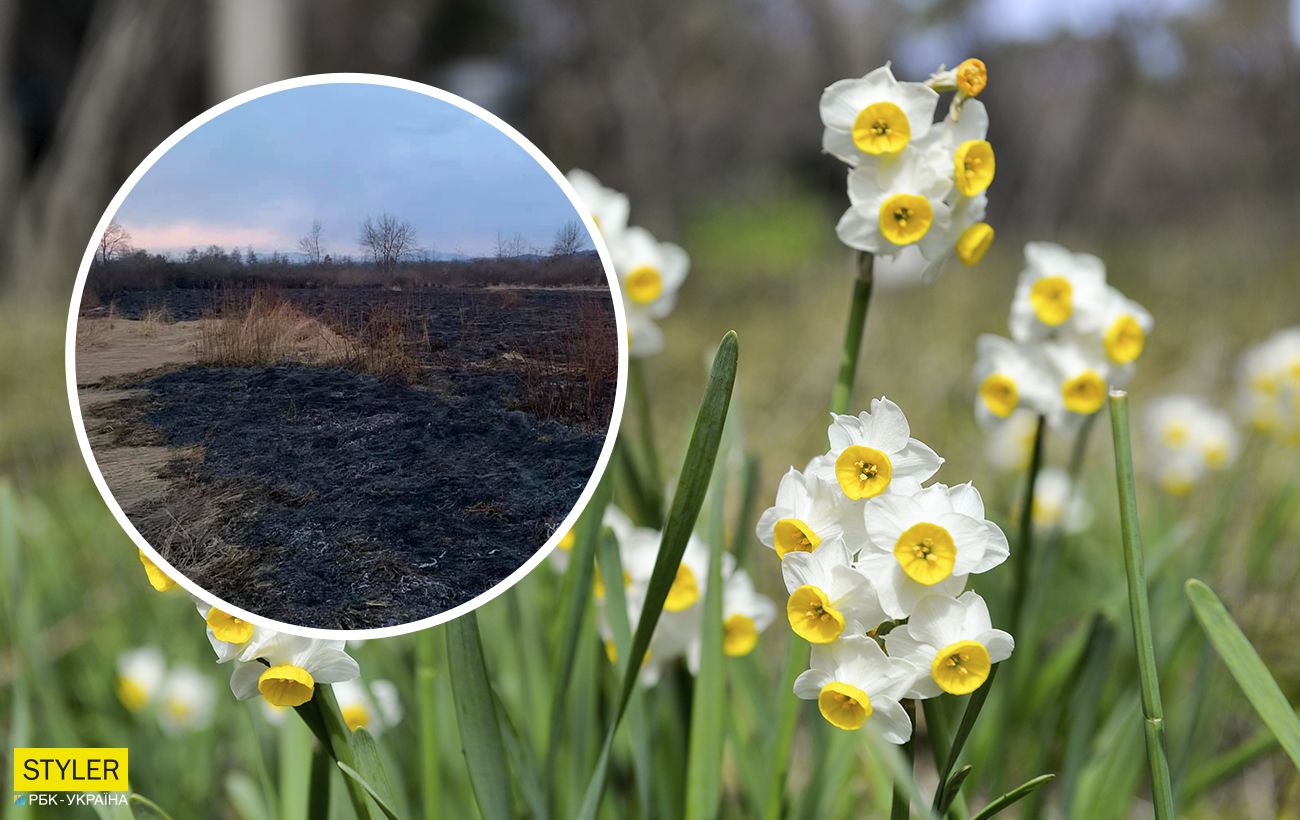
[(344, 355)]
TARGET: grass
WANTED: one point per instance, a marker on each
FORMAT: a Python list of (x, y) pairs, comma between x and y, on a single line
[(259, 329)]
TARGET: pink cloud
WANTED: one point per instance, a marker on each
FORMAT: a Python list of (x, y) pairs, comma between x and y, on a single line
[(191, 234)]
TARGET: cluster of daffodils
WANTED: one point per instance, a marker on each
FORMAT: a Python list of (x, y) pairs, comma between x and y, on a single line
[(870, 556), (913, 182), (1270, 385), (1072, 337), (281, 670), (1189, 437), (180, 697), (649, 271), (745, 613)]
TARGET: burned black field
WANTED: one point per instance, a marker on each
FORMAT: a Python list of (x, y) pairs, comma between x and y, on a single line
[(410, 461)]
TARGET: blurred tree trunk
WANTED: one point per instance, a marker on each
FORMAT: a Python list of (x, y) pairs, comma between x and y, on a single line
[(123, 99), (254, 42)]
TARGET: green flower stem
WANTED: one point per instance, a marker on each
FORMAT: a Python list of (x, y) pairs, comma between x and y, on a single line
[(1152, 711), (339, 744), (782, 733), (426, 651), (902, 806), (853, 333), (1024, 556), (1028, 637), (318, 796), (654, 474)]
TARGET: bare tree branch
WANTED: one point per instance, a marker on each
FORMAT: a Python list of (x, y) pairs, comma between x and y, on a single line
[(114, 243), (387, 240), (311, 245), (568, 239)]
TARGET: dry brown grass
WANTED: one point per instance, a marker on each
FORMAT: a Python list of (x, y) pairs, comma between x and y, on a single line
[(96, 326), (260, 329), (576, 383), (153, 318), (381, 345), (265, 328), (595, 346)]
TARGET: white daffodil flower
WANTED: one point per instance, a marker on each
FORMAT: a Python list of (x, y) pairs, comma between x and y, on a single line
[(964, 235), (928, 543), (649, 274), (294, 665), (855, 684), (873, 453), (745, 614), (828, 597), (677, 632), (1269, 385), (672, 639), (875, 116), (373, 707), (1010, 445), (896, 204), (186, 700), (1058, 290), (960, 146), (1082, 377), (139, 674), (1218, 439), (1171, 420), (1056, 505), (963, 142), (158, 579), (808, 511), (1125, 326), (1188, 437), (1009, 377), (232, 638), (618, 521), (1178, 473), (951, 643), (608, 207), (968, 79), (640, 551)]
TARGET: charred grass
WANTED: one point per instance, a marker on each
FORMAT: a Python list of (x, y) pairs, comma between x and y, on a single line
[(356, 466)]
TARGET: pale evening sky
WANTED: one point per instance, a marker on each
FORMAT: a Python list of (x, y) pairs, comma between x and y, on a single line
[(260, 173)]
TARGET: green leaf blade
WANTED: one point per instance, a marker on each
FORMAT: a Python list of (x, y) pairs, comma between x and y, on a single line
[(692, 485), (708, 710), (1247, 667), (480, 731)]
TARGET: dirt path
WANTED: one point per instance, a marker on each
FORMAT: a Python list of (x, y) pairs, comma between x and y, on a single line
[(109, 349)]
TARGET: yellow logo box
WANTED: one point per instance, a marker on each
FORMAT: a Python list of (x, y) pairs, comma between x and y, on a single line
[(70, 770)]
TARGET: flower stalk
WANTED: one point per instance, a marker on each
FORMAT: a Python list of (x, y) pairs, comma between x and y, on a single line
[(1153, 722), (1025, 539), (653, 472), (322, 716), (902, 805), (853, 332)]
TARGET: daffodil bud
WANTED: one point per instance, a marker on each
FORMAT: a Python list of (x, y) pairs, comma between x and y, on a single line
[(971, 77)]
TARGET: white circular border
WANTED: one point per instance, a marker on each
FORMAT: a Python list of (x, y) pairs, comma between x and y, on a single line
[(584, 214)]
